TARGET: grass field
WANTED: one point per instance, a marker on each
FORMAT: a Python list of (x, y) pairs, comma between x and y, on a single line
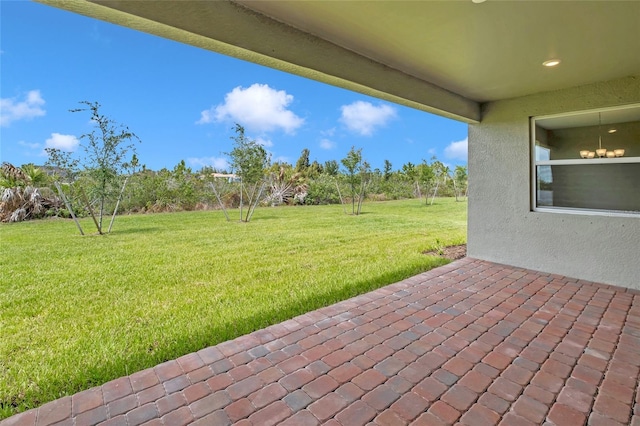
[(76, 311)]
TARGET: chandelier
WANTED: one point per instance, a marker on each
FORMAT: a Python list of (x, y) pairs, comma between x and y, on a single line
[(601, 152)]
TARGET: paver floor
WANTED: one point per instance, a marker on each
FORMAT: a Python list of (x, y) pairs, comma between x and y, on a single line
[(471, 343)]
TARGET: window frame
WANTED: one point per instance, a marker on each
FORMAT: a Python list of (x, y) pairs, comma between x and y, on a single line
[(534, 163)]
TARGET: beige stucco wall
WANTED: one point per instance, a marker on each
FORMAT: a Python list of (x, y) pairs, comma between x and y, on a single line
[(502, 227)]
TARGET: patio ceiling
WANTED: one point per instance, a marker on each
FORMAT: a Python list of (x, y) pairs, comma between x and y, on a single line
[(445, 57)]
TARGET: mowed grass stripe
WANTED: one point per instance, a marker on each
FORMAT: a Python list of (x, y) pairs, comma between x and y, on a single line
[(79, 311)]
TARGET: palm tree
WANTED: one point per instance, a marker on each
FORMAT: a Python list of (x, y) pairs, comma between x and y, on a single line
[(12, 176), (286, 185), (35, 175), (21, 197)]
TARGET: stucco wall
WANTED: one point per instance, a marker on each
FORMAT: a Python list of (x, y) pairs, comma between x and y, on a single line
[(502, 227)]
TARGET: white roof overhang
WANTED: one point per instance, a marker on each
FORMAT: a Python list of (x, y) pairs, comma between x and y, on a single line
[(444, 57)]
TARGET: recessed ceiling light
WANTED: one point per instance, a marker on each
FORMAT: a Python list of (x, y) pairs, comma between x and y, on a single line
[(551, 62), (478, 1), (613, 130)]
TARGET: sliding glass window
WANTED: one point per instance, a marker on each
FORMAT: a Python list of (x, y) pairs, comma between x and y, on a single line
[(587, 162)]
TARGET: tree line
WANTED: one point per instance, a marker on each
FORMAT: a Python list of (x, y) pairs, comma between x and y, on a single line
[(106, 178)]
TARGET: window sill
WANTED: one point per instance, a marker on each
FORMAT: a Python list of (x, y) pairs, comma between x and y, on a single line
[(586, 212), (571, 162)]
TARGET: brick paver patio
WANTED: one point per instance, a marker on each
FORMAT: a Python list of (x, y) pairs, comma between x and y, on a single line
[(472, 343)]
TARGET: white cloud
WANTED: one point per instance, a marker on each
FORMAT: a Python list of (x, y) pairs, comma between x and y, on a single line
[(218, 163), (258, 107), (329, 132), (205, 117), (457, 150), (67, 143), (264, 142), (327, 144), (364, 117), (12, 109)]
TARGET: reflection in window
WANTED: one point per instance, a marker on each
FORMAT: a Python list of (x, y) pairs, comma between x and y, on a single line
[(542, 153), (545, 186), (607, 187)]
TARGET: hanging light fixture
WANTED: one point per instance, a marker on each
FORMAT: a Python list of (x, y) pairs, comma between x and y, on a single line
[(601, 152)]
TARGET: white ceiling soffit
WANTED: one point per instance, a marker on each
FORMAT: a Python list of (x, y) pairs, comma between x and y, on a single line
[(234, 30), (445, 57)]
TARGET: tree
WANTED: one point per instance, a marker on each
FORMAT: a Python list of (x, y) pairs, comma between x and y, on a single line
[(460, 181), (286, 185), (409, 170), (425, 177), (303, 162), (357, 174), (12, 176), (441, 173), (331, 168), (365, 178), (387, 169), (314, 169), (107, 152), (35, 175), (21, 196), (414, 174), (182, 187), (62, 165), (249, 161)]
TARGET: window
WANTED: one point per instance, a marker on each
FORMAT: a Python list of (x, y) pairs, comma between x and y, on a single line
[(568, 174)]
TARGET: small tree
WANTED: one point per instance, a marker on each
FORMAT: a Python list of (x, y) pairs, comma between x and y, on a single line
[(387, 169), (425, 176), (441, 174), (64, 169), (181, 185), (365, 179), (62, 165), (249, 161), (460, 181), (106, 151), (357, 174)]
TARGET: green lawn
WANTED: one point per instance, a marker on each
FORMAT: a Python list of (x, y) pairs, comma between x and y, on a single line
[(76, 311)]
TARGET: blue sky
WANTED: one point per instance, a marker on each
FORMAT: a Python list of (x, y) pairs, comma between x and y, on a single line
[(182, 101)]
